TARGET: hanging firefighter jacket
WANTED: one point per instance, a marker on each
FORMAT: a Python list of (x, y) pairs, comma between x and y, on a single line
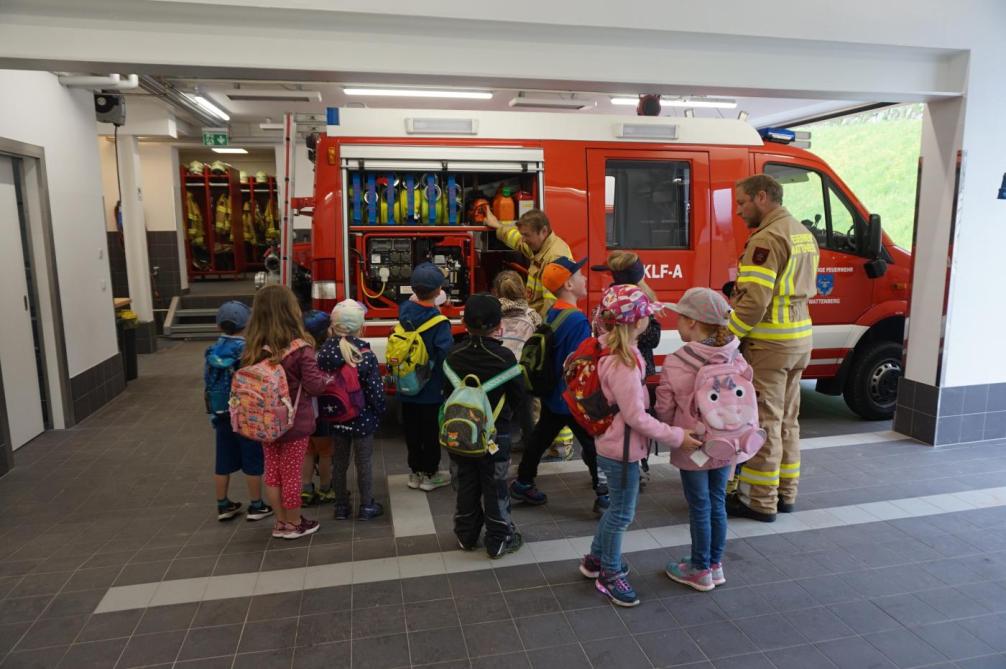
[(197, 236), (222, 221), (249, 212), (271, 216)]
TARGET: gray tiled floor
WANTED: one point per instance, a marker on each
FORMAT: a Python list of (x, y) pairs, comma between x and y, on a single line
[(125, 499)]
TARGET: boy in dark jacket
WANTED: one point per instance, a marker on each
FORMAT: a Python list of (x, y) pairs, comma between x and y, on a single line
[(233, 452), (420, 411), (481, 482), (563, 278)]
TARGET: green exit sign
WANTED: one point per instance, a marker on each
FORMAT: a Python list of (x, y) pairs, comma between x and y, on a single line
[(215, 137)]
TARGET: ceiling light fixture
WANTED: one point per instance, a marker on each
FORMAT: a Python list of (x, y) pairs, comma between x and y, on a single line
[(704, 103), (550, 103), (419, 93), (229, 150), (208, 106), (272, 95)]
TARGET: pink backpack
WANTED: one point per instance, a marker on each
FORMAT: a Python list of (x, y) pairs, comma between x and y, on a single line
[(260, 404), (724, 405)]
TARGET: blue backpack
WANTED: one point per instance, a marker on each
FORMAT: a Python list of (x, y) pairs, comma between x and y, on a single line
[(222, 360)]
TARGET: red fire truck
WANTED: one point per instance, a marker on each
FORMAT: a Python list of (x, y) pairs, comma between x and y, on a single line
[(396, 187)]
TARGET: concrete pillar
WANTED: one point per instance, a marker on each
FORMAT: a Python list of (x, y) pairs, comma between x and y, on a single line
[(954, 388), (134, 229)]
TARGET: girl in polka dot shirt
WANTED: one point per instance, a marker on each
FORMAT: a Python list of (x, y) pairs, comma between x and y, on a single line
[(344, 347)]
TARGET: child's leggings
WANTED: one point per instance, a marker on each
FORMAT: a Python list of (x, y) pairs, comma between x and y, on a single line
[(283, 463)]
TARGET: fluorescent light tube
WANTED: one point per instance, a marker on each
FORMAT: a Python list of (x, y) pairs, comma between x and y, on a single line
[(229, 150), (705, 103), (419, 93), (208, 106), (272, 95), (550, 103)]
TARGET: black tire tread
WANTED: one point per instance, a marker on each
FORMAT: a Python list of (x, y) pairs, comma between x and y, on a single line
[(856, 393)]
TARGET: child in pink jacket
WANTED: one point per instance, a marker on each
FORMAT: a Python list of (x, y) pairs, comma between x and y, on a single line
[(702, 319), (626, 311)]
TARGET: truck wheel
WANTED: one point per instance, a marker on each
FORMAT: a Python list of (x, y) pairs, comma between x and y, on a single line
[(872, 387)]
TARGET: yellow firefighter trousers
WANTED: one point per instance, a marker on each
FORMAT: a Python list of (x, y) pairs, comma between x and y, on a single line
[(775, 471)]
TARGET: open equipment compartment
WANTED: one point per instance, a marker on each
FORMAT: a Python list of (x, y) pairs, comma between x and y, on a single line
[(406, 205)]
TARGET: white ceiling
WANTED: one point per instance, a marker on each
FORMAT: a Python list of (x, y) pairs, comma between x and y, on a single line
[(762, 110)]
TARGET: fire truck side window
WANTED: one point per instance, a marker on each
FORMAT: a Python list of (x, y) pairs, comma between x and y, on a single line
[(803, 196), (843, 224), (647, 204)]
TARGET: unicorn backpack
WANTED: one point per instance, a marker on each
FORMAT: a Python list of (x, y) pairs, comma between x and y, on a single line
[(724, 405)]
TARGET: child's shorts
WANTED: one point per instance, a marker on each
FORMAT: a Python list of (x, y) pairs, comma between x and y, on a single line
[(234, 452), (323, 447)]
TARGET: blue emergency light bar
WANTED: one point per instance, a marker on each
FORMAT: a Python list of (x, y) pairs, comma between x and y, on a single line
[(779, 135), (786, 136)]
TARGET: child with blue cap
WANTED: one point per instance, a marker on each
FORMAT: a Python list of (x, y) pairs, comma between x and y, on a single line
[(233, 452)]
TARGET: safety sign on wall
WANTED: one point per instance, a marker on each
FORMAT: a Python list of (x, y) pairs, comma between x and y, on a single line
[(215, 137)]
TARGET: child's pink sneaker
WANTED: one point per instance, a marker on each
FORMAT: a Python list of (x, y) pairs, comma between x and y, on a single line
[(682, 572), (280, 529)]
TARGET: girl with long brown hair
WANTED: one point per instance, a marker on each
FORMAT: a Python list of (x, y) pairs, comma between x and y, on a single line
[(276, 332)]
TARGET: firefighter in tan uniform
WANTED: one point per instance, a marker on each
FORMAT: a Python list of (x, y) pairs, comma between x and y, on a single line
[(776, 278), (533, 238)]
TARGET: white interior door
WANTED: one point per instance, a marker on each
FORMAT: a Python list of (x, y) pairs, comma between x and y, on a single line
[(17, 345)]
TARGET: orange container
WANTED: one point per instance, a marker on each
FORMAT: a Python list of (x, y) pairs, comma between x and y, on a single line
[(503, 205)]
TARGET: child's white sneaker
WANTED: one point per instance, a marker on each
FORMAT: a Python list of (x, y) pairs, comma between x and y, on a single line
[(414, 480), (438, 480)]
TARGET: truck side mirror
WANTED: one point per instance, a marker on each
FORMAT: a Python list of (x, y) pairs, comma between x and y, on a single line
[(876, 267)]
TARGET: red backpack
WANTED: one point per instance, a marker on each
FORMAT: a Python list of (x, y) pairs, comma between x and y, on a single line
[(343, 398), (583, 395)]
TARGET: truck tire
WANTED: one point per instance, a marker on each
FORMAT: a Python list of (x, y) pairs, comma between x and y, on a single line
[(871, 389)]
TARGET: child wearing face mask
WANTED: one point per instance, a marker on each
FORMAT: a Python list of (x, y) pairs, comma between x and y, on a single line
[(420, 411)]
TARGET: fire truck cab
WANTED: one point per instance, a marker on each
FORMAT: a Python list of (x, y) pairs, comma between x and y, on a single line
[(395, 187)]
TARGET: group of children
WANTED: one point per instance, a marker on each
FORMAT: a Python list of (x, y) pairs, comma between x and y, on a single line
[(275, 329), (498, 326)]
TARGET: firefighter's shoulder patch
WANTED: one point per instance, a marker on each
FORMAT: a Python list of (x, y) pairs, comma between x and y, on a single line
[(760, 255)]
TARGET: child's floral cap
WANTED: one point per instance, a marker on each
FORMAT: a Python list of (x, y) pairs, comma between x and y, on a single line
[(626, 304)]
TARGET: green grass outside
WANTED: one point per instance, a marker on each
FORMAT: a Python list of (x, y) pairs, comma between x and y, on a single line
[(876, 154)]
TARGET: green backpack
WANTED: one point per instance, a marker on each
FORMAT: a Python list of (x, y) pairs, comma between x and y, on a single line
[(467, 420)]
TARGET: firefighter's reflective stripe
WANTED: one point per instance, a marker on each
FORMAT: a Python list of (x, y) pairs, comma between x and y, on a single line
[(789, 470), (534, 285), (755, 274), (512, 237), (756, 477), (782, 331), (737, 326), (780, 302)]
